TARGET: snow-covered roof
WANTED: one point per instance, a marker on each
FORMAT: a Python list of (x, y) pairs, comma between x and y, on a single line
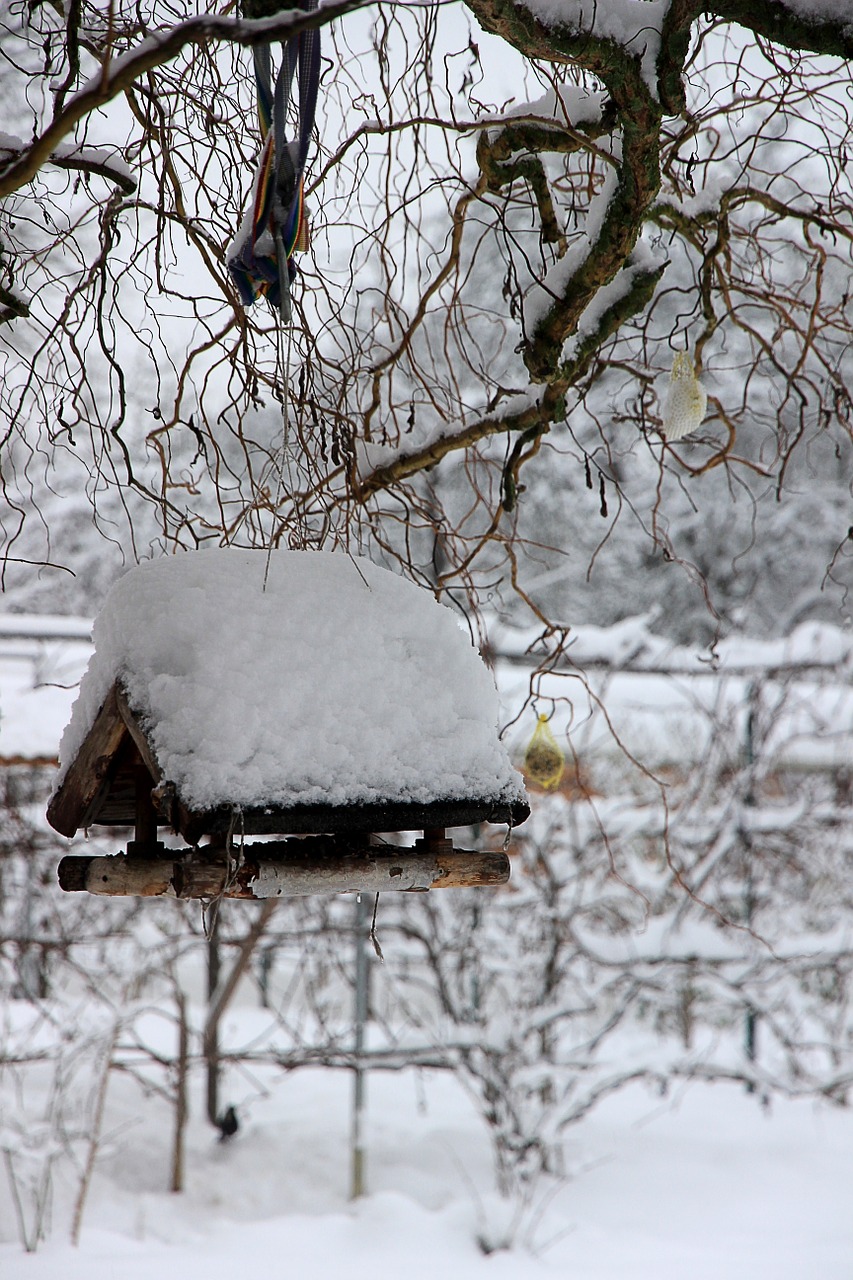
[(336, 683)]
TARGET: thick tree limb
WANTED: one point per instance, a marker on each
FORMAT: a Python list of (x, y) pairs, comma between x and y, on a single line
[(537, 416), (88, 160), (11, 306), (540, 411), (774, 20), (638, 117)]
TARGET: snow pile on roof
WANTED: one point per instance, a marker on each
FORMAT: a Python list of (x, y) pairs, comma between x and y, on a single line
[(341, 683)]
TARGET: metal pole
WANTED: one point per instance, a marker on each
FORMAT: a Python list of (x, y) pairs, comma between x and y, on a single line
[(211, 1036), (751, 1019), (357, 1185)]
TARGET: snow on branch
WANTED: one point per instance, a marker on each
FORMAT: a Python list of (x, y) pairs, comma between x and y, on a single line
[(102, 161), (519, 413), (632, 25)]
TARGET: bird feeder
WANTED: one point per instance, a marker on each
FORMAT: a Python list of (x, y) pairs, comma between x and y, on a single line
[(286, 717)]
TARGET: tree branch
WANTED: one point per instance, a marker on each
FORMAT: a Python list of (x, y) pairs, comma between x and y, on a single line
[(119, 73), (831, 34)]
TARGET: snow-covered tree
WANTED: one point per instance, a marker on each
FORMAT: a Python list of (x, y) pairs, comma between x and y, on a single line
[(572, 334), (693, 929), (522, 215)]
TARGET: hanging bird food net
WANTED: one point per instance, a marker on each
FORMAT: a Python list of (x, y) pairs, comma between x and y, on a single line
[(686, 399), (260, 258), (544, 760)]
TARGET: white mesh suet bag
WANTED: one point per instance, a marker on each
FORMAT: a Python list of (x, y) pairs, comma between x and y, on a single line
[(686, 399)]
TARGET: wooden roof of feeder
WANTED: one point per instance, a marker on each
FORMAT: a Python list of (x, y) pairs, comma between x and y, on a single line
[(318, 694)]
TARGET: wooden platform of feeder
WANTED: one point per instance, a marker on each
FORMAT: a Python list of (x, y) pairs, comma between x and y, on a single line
[(287, 868), (115, 780)]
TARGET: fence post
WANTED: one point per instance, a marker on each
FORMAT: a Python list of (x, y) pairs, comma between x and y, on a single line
[(361, 1005), (749, 903)]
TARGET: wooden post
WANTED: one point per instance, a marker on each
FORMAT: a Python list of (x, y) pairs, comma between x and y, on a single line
[(145, 833), (117, 875), (177, 1183)]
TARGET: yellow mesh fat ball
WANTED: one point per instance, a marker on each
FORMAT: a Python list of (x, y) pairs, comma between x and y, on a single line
[(686, 399), (544, 760)]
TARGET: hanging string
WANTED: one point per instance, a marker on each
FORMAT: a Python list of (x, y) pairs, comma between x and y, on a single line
[(260, 259), (372, 935), (283, 348)]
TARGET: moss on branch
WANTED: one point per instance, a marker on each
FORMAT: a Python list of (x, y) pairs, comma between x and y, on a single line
[(774, 21)]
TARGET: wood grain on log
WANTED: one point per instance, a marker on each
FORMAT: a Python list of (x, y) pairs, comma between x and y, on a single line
[(117, 876)]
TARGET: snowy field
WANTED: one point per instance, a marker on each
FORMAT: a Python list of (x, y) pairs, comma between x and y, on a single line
[(702, 1185)]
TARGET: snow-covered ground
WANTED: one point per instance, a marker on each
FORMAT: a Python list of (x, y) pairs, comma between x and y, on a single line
[(701, 1185)]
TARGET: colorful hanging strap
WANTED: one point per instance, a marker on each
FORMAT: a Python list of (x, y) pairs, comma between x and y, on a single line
[(261, 258)]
